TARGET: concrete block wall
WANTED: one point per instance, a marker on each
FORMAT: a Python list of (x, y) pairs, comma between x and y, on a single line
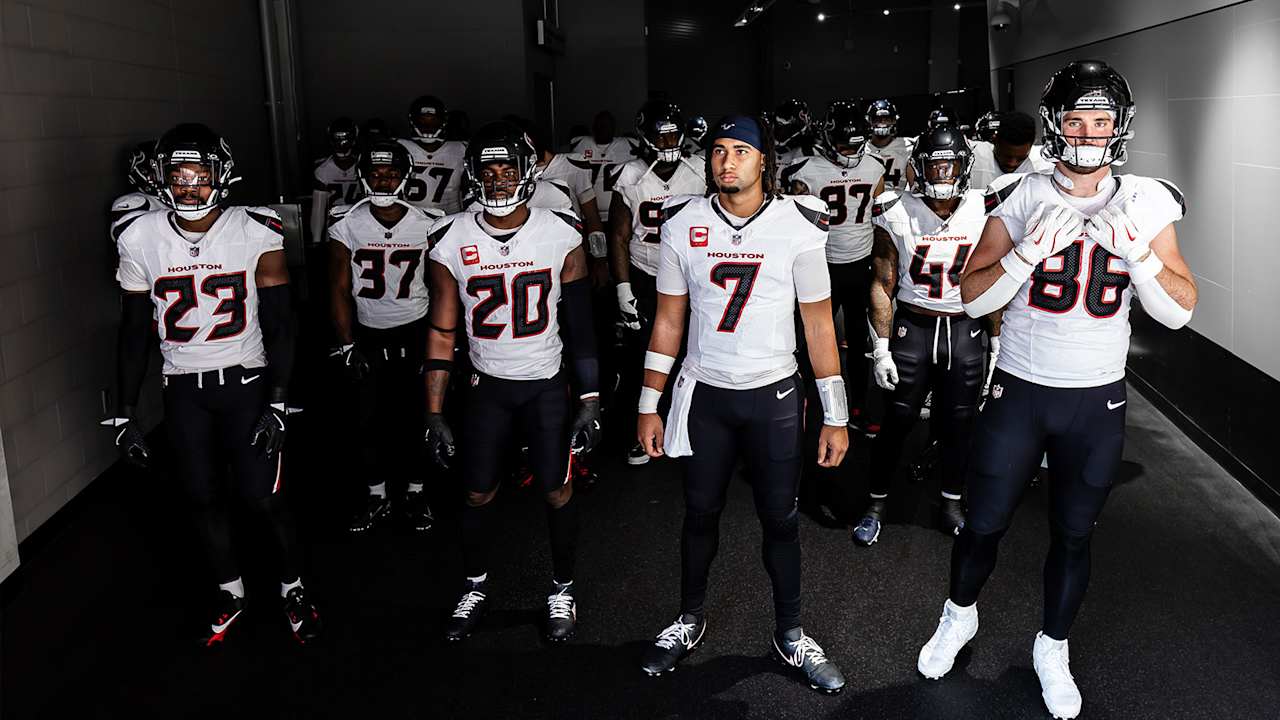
[(81, 81)]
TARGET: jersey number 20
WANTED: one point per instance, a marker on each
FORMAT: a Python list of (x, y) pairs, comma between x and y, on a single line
[(494, 287)]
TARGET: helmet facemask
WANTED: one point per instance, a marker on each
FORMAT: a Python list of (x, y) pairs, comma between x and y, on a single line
[(1081, 151), (188, 168), (667, 140), (386, 154)]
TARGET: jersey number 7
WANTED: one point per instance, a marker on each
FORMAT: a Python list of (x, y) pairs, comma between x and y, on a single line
[(743, 276)]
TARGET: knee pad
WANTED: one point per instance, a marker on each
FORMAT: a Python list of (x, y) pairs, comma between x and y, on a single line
[(781, 528)]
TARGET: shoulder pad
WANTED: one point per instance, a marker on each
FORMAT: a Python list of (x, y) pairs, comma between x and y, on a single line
[(1175, 192), (126, 203), (337, 212), (580, 163), (673, 206), (120, 226), (612, 174), (879, 161), (792, 169), (570, 219), (562, 187), (268, 219), (884, 202), (998, 193), (438, 231), (814, 210), (432, 214)]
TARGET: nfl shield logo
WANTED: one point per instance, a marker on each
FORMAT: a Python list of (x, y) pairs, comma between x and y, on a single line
[(737, 238), (902, 331), (997, 391), (475, 379), (194, 250), (504, 250)]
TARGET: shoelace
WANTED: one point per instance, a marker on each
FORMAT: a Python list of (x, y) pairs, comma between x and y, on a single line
[(560, 606), (807, 647), (676, 632), (467, 604)]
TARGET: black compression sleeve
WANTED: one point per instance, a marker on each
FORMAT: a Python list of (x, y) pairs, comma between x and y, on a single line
[(580, 335), (131, 349), (275, 315)]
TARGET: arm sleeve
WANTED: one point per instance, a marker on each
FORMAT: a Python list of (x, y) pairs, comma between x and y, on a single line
[(811, 275), (275, 316), (580, 335), (131, 349), (671, 280)]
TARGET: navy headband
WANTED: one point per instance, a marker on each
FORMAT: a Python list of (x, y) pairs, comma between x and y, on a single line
[(740, 127)]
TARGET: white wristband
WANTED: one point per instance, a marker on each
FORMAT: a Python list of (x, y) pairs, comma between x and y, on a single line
[(648, 400), (835, 401), (1144, 271), (1015, 267), (658, 362)]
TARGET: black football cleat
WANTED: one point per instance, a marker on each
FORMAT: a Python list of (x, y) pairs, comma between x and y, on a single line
[(584, 478), (562, 613), (466, 616), (673, 644), (227, 613), (800, 651), (867, 531), (375, 511), (416, 511), (951, 516), (303, 618)]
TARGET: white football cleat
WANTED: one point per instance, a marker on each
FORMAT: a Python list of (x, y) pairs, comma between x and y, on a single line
[(956, 628), (1053, 666)]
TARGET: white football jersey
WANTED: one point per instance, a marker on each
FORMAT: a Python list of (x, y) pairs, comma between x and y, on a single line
[(791, 155), (644, 192), (436, 181), (342, 185), (509, 289), (848, 193), (740, 283), (205, 292), (618, 151), (388, 265), (985, 169), (896, 156), (575, 172), (931, 252), (547, 194), (126, 205), (1069, 324)]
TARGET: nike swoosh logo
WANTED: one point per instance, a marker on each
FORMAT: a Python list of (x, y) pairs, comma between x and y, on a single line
[(295, 625), (218, 629), (974, 333), (1113, 406), (247, 380), (781, 394)]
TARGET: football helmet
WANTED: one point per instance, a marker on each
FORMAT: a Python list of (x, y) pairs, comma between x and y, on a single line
[(988, 125), (141, 171), (384, 152), (942, 115), (882, 118), (373, 129), (844, 125), (342, 134), (1087, 85), (942, 143), (790, 121), (428, 118), (193, 143), (507, 144), (696, 129), (661, 130)]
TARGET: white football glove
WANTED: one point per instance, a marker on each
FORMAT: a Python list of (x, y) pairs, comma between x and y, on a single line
[(628, 307), (1115, 230), (993, 354), (886, 372), (1050, 229)]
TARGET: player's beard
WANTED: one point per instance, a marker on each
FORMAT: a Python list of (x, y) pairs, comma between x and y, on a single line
[(729, 189)]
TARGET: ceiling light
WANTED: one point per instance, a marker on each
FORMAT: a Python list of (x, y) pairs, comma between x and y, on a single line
[(886, 11), (956, 6), (821, 17)]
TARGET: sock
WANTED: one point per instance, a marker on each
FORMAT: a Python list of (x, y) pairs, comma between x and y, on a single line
[(415, 487), (235, 587), (286, 587), (563, 523), (380, 489)]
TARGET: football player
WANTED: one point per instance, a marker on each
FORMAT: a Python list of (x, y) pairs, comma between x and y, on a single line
[(893, 151), (1011, 151), (1065, 250), (376, 255), (923, 239), (695, 131), (437, 162), (373, 129), (215, 278), (517, 276), (847, 179), (639, 189), (336, 178), (141, 175), (603, 148), (987, 126), (793, 132), (737, 263)]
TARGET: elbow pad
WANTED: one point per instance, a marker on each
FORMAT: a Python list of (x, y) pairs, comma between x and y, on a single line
[(1016, 273), (275, 316)]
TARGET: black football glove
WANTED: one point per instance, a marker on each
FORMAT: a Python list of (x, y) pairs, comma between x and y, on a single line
[(584, 434), (439, 439), (354, 364), (268, 432), (130, 442)]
